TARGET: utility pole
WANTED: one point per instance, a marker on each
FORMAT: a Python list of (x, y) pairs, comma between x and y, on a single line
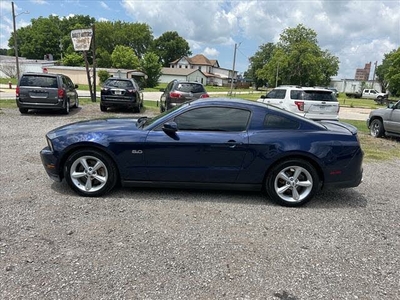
[(15, 37), (373, 76), (233, 70), (15, 41)]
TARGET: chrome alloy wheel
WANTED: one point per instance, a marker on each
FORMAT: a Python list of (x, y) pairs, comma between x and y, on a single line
[(293, 184), (89, 174)]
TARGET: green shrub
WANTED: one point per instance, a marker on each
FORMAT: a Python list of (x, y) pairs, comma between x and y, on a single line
[(103, 75)]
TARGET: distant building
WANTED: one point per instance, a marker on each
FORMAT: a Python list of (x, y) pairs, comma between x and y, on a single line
[(363, 74), (210, 71)]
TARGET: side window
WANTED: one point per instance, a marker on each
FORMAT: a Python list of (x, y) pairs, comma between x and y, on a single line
[(277, 94), (65, 81), (297, 95), (279, 122), (214, 119)]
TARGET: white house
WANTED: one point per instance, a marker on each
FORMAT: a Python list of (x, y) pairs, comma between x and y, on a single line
[(214, 74)]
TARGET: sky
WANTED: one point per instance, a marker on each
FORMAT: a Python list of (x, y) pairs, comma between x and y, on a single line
[(357, 32)]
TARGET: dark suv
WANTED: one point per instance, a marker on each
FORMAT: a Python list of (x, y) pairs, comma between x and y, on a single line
[(178, 92), (121, 92), (46, 91)]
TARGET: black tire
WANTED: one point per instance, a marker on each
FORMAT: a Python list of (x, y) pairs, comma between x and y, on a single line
[(292, 182), (376, 128), (103, 108), (76, 105), (136, 109), (89, 181), (66, 108), (162, 109), (23, 110)]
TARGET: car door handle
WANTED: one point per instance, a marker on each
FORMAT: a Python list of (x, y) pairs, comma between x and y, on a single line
[(233, 144)]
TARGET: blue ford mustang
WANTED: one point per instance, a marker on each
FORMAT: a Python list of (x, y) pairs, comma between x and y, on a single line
[(213, 143)]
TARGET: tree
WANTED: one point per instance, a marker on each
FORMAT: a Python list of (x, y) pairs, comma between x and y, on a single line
[(123, 57), (45, 35), (258, 61), (152, 67), (137, 36), (73, 59), (393, 72), (297, 59), (169, 47), (387, 72)]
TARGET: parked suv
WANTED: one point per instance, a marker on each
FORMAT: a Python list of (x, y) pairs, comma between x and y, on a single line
[(46, 91), (178, 92), (121, 92), (313, 103)]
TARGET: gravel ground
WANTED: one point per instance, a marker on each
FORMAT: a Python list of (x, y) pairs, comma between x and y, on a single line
[(184, 244)]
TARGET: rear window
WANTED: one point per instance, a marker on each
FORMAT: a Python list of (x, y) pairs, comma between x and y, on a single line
[(313, 95), (118, 83), (190, 88), (39, 80)]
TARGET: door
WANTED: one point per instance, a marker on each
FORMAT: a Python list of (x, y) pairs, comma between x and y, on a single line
[(208, 147), (392, 119)]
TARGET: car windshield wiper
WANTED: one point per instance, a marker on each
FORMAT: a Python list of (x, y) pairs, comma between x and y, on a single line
[(141, 121)]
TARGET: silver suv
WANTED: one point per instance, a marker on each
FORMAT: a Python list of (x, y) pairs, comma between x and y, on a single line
[(310, 102), (46, 91)]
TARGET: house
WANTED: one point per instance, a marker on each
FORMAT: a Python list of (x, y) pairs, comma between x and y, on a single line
[(209, 68), (8, 65), (79, 76), (169, 74)]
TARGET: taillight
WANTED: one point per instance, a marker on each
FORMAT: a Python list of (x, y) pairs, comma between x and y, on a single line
[(204, 96), (17, 91), (61, 93), (175, 95), (300, 105)]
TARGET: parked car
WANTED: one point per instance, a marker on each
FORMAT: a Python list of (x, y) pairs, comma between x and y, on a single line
[(385, 121), (310, 102), (216, 143), (334, 90), (178, 92), (46, 91), (121, 92)]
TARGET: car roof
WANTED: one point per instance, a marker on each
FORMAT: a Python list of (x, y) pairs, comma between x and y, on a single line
[(303, 88), (42, 74)]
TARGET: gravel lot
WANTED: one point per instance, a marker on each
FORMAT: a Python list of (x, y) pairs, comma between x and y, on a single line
[(184, 244)]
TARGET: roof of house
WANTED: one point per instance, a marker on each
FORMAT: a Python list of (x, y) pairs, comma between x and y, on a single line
[(199, 59), (179, 71)]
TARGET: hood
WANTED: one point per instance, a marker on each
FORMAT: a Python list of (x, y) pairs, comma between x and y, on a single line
[(100, 125)]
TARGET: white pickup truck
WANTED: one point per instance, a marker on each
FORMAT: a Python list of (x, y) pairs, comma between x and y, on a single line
[(374, 94), (369, 94)]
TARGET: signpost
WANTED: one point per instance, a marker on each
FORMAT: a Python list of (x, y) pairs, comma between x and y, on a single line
[(82, 39)]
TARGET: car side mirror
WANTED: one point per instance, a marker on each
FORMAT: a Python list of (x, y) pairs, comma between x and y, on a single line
[(263, 97), (170, 127), (76, 86), (162, 90)]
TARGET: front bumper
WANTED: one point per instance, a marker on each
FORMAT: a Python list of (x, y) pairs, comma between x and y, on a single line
[(50, 164)]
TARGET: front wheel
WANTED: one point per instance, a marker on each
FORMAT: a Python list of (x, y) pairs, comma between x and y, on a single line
[(292, 182), (376, 128), (103, 108), (23, 110), (90, 173)]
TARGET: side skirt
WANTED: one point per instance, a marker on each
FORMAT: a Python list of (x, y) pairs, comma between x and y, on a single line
[(194, 185)]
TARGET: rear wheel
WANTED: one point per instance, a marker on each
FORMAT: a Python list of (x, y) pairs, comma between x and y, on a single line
[(23, 110), (90, 173), (376, 128), (66, 107), (292, 182)]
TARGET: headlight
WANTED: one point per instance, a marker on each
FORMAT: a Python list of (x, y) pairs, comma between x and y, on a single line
[(50, 144)]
